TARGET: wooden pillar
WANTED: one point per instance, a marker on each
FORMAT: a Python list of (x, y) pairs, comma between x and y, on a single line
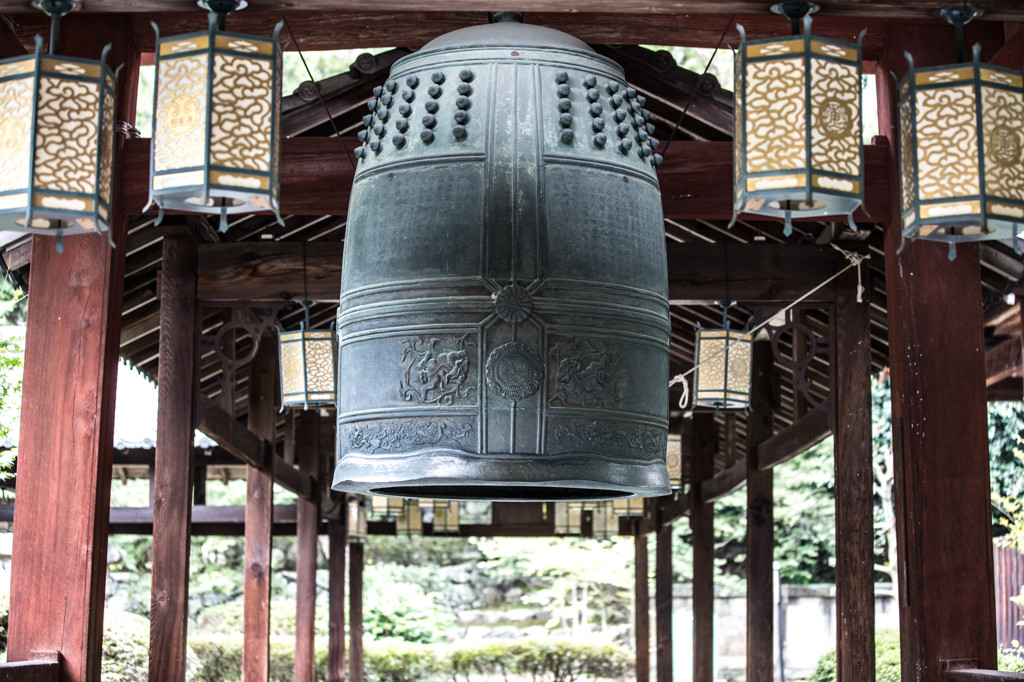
[(58, 567), (307, 452), (172, 470), (355, 620), (338, 544), (702, 524), (663, 602), (760, 517), (851, 419), (641, 606), (939, 421), (258, 519)]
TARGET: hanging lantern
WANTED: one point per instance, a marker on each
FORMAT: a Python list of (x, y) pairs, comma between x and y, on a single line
[(584, 505), (410, 521), (307, 365), (674, 460), (386, 507), (446, 519), (961, 131), (723, 369), (216, 121), (630, 506), (567, 521), (56, 139), (357, 522), (798, 124), (604, 521), (532, 365)]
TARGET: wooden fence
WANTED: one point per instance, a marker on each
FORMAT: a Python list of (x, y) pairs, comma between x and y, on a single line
[(1009, 575)]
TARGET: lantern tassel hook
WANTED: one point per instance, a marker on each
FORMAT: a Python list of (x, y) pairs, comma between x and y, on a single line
[(952, 251), (788, 228), (223, 227)]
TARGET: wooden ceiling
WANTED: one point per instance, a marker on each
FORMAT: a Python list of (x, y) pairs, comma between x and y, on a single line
[(995, 10), (695, 205)]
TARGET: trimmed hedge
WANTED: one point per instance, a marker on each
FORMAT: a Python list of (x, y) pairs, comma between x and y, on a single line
[(400, 661)]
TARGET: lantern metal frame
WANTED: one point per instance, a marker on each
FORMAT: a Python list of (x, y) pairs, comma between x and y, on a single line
[(207, 187), (723, 397), (970, 216), (305, 335), (34, 207), (809, 191)]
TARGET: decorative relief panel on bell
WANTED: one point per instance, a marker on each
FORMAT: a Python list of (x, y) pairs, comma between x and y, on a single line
[(435, 371), (374, 437), (579, 435), (587, 374), (514, 371)]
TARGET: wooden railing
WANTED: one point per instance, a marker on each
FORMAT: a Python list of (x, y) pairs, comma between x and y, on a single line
[(976, 675), (30, 671)]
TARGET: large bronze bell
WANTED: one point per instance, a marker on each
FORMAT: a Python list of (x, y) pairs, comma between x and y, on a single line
[(504, 325)]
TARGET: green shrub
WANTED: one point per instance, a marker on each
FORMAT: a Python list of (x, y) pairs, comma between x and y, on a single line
[(887, 660), (395, 660), (220, 658), (1011, 661), (542, 661), (126, 649), (228, 618)]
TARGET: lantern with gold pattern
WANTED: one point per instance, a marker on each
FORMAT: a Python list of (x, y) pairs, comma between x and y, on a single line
[(56, 140), (797, 125), (216, 122), (961, 130)]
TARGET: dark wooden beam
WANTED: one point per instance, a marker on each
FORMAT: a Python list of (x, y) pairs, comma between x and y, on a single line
[(672, 508), (769, 273), (1003, 361), (337, 547), (307, 450), (206, 520), (355, 616), (1011, 54), (760, 272), (760, 520), (697, 24), (797, 438), (724, 482), (695, 179), (854, 490), (940, 446), (663, 603), (234, 437), (702, 525), (173, 459), (279, 271), (292, 479), (641, 608), (58, 567), (259, 515)]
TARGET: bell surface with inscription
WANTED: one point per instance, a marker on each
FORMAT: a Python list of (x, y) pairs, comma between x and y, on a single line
[(504, 330)]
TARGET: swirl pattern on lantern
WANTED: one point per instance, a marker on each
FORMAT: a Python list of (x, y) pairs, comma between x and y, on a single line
[(180, 111), (720, 371), (947, 142), (908, 185), (1002, 113), (307, 366), (15, 110), (835, 117), (107, 147), (67, 135), (775, 115), (241, 113)]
